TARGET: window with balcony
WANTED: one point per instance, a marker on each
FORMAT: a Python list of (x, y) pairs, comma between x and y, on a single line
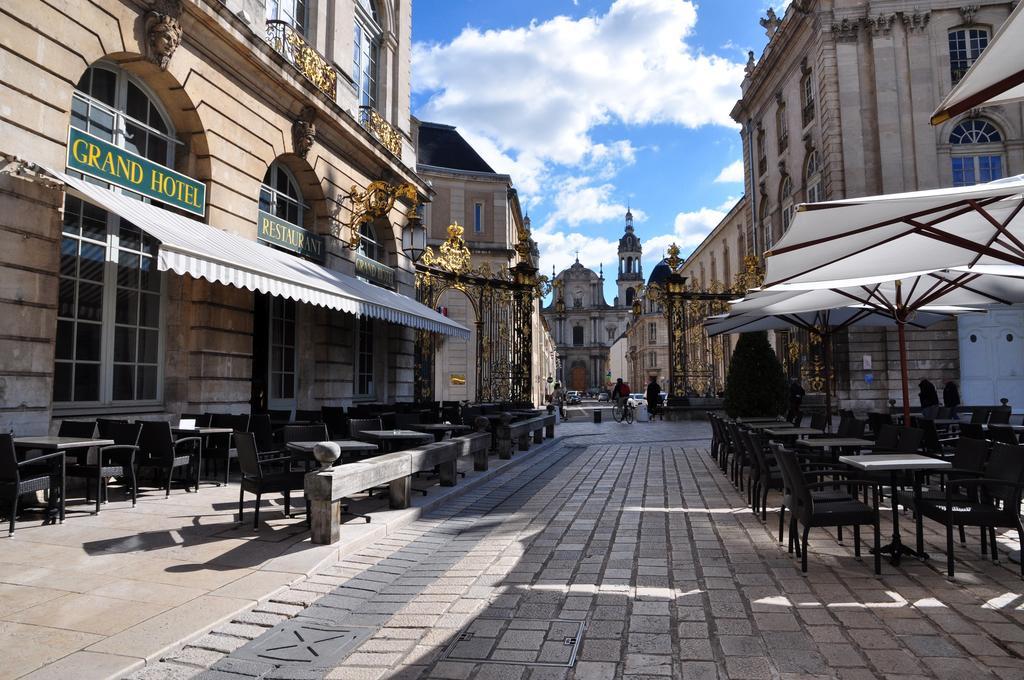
[(782, 127), (366, 49), (109, 313), (977, 152), (807, 98), (965, 46)]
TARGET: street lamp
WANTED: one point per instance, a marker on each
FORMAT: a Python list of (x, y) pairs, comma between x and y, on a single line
[(414, 236)]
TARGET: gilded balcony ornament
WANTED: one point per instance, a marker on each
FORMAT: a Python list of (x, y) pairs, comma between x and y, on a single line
[(287, 42), (377, 202), (381, 129)]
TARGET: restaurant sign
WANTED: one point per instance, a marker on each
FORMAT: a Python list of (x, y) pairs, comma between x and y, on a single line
[(374, 271), (92, 156), (274, 230)]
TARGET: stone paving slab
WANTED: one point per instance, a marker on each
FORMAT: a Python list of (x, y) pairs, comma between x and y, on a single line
[(644, 540)]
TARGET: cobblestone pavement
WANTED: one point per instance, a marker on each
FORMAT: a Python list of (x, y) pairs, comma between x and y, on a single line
[(626, 547)]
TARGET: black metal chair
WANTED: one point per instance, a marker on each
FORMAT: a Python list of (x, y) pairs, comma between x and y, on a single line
[(308, 416), (979, 415), (1002, 434), (972, 430), (888, 438), (117, 460), (1000, 415), (764, 472), (77, 428), (260, 427), (17, 479), (991, 501), (256, 481), (809, 513), (202, 419), (334, 418), (158, 449), (405, 421), (305, 433), (356, 426), (968, 459)]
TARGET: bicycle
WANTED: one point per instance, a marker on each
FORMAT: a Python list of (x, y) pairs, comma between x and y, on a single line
[(624, 411)]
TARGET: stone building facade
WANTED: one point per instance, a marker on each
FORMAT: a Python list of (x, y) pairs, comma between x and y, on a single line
[(284, 109), (583, 324), (838, 106), (468, 192)]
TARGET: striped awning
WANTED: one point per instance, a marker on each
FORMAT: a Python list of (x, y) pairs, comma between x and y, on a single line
[(204, 251)]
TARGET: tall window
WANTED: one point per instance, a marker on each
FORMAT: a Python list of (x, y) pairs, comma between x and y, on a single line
[(653, 359), (965, 46), (652, 332), (292, 12), (109, 293), (369, 244), (478, 217), (364, 357), (786, 201), (766, 226), (630, 294), (366, 52), (977, 153), (782, 126), (812, 177), (726, 266), (279, 195), (282, 348), (577, 336), (807, 98), (762, 151)]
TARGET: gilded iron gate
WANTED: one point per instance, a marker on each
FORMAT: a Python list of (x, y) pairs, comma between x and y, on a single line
[(502, 302)]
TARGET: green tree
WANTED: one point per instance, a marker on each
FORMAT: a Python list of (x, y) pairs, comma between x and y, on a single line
[(756, 384)]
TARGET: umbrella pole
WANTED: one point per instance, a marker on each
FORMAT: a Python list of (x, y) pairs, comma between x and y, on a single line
[(904, 376), (826, 339)]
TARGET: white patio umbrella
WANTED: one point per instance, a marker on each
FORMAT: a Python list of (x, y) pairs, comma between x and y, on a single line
[(880, 237), (822, 323), (997, 77), (901, 296)]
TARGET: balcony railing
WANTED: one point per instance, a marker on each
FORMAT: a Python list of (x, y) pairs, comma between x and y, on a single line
[(287, 42), (381, 129), (808, 113)]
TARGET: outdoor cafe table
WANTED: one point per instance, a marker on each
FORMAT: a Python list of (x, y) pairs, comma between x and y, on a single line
[(203, 432), (895, 463), (388, 439), (834, 443), (304, 450), (764, 419), (1016, 429), (54, 450), (792, 432), (439, 430)]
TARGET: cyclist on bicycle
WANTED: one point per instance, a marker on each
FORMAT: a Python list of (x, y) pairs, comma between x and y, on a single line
[(621, 392)]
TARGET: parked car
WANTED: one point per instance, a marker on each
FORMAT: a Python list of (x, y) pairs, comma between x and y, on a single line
[(602, 396), (637, 398), (573, 397)]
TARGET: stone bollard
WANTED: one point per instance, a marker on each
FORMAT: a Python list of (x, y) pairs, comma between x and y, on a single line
[(549, 428), (480, 462), (504, 434)]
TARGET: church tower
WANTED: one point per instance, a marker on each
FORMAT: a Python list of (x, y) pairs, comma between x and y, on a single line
[(631, 275)]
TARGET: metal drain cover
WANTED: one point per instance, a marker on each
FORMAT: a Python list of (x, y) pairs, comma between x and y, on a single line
[(305, 643), (524, 642)]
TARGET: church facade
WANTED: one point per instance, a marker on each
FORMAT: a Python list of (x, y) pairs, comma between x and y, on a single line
[(584, 325)]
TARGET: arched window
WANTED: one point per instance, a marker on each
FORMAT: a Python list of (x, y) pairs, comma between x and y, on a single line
[(369, 244), (977, 152), (291, 12), (812, 177), (280, 196), (965, 46), (786, 201), (109, 303), (726, 266), (366, 53), (766, 225), (630, 294)]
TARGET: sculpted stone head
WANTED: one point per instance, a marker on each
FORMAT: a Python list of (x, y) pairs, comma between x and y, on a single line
[(163, 35)]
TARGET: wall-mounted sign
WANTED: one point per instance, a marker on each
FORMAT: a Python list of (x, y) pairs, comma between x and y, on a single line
[(92, 156), (273, 229), (374, 271)]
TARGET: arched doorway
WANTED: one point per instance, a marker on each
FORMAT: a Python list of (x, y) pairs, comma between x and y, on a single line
[(578, 376), (455, 367)]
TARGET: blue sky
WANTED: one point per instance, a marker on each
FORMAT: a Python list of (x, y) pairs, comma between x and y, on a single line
[(591, 105)]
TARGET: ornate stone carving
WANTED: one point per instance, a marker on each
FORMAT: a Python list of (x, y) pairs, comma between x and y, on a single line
[(916, 21), (304, 131), (163, 31), (881, 24), (968, 13), (770, 23), (751, 63), (846, 28)]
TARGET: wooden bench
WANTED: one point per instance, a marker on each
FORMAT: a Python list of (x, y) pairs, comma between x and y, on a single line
[(325, 489)]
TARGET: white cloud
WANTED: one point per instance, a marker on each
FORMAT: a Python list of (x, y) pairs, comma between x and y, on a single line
[(688, 231), (731, 174), (579, 201), (537, 92)]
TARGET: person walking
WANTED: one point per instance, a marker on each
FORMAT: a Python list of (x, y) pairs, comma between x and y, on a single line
[(558, 399), (654, 398), (929, 398), (951, 397)]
